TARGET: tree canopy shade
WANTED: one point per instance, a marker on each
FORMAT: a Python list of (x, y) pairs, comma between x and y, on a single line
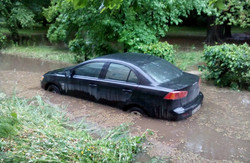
[(135, 23)]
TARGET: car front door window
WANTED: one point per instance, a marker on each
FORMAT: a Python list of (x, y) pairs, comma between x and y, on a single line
[(89, 69), (84, 82)]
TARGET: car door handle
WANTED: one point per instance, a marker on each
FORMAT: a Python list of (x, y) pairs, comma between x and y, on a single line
[(127, 90), (92, 85)]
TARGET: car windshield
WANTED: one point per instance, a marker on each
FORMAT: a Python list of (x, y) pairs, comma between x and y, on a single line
[(161, 70)]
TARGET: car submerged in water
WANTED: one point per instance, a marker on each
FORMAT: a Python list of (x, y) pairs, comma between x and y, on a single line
[(137, 83)]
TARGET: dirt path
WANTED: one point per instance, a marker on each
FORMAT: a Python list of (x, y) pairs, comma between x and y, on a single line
[(219, 132)]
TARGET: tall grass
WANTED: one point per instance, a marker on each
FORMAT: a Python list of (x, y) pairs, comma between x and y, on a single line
[(41, 133), (49, 53)]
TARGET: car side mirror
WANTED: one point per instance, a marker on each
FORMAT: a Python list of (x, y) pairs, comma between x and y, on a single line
[(68, 74)]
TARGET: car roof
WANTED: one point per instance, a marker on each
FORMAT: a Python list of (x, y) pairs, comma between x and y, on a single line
[(137, 59)]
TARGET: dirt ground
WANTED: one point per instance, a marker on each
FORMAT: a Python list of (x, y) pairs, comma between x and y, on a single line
[(218, 132)]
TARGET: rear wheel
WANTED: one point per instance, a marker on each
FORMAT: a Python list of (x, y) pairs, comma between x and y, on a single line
[(136, 111), (54, 89)]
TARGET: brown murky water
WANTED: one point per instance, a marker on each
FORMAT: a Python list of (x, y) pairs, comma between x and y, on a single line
[(218, 132)]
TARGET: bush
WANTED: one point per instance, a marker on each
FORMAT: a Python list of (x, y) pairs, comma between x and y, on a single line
[(228, 65), (3, 40), (85, 50), (161, 49)]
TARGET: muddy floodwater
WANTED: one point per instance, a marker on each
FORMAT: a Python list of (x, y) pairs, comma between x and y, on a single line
[(218, 132)]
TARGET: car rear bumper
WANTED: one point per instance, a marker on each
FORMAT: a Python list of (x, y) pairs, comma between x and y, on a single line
[(187, 110)]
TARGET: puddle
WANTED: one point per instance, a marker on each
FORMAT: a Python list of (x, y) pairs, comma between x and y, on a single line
[(218, 131)]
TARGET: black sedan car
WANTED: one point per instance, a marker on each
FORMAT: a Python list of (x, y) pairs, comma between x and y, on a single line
[(137, 83)]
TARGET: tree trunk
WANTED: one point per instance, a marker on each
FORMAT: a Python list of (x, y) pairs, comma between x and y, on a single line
[(228, 33), (14, 34), (214, 32), (45, 22)]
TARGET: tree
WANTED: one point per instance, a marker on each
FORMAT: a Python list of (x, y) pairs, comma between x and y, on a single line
[(21, 13), (136, 22), (111, 4), (16, 15), (226, 13)]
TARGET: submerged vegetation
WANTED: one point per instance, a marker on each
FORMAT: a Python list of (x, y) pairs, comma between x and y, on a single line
[(31, 130)]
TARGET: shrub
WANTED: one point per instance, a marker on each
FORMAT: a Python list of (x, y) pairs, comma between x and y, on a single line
[(3, 40), (228, 65), (161, 49), (85, 50)]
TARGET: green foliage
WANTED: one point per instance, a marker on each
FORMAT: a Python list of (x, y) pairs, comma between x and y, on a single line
[(135, 23), (105, 4), (160, 49), (16, 13), (233, 12), (3, 40), (45, 135), (228, 65), (21, 14)]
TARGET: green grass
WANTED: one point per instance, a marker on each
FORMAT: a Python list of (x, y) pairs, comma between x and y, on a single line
[(188, 59), (26, 31), (41, 133), (49, 53), (186, 31), (197, 31), (184, 59)]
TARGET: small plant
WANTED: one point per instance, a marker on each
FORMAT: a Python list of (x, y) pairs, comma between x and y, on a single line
[(3, 40), (8, 124), (161, 49), (228, 65)]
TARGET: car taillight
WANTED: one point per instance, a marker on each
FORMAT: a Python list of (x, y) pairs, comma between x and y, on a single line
[(176, 95)]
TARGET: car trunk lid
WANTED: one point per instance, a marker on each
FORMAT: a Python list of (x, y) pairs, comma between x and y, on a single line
[(186, 82)]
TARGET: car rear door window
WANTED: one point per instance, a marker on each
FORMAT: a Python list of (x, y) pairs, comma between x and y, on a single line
[(120, 72), (90, 69), (132, 77)]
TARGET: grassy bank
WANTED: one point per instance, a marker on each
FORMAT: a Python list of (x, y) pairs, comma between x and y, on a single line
[(49, 53), (184, 59), (188, 59), (31, 130)]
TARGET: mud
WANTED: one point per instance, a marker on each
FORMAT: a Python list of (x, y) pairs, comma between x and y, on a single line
[(218, 132)]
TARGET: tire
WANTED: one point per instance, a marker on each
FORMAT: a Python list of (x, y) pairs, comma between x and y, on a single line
[(54, 89), (136, 111)]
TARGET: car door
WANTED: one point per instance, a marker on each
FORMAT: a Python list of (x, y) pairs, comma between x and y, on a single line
[(118, 85), (83, 82)]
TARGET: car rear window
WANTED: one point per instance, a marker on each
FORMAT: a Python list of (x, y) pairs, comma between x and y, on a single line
[(161, 71)]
